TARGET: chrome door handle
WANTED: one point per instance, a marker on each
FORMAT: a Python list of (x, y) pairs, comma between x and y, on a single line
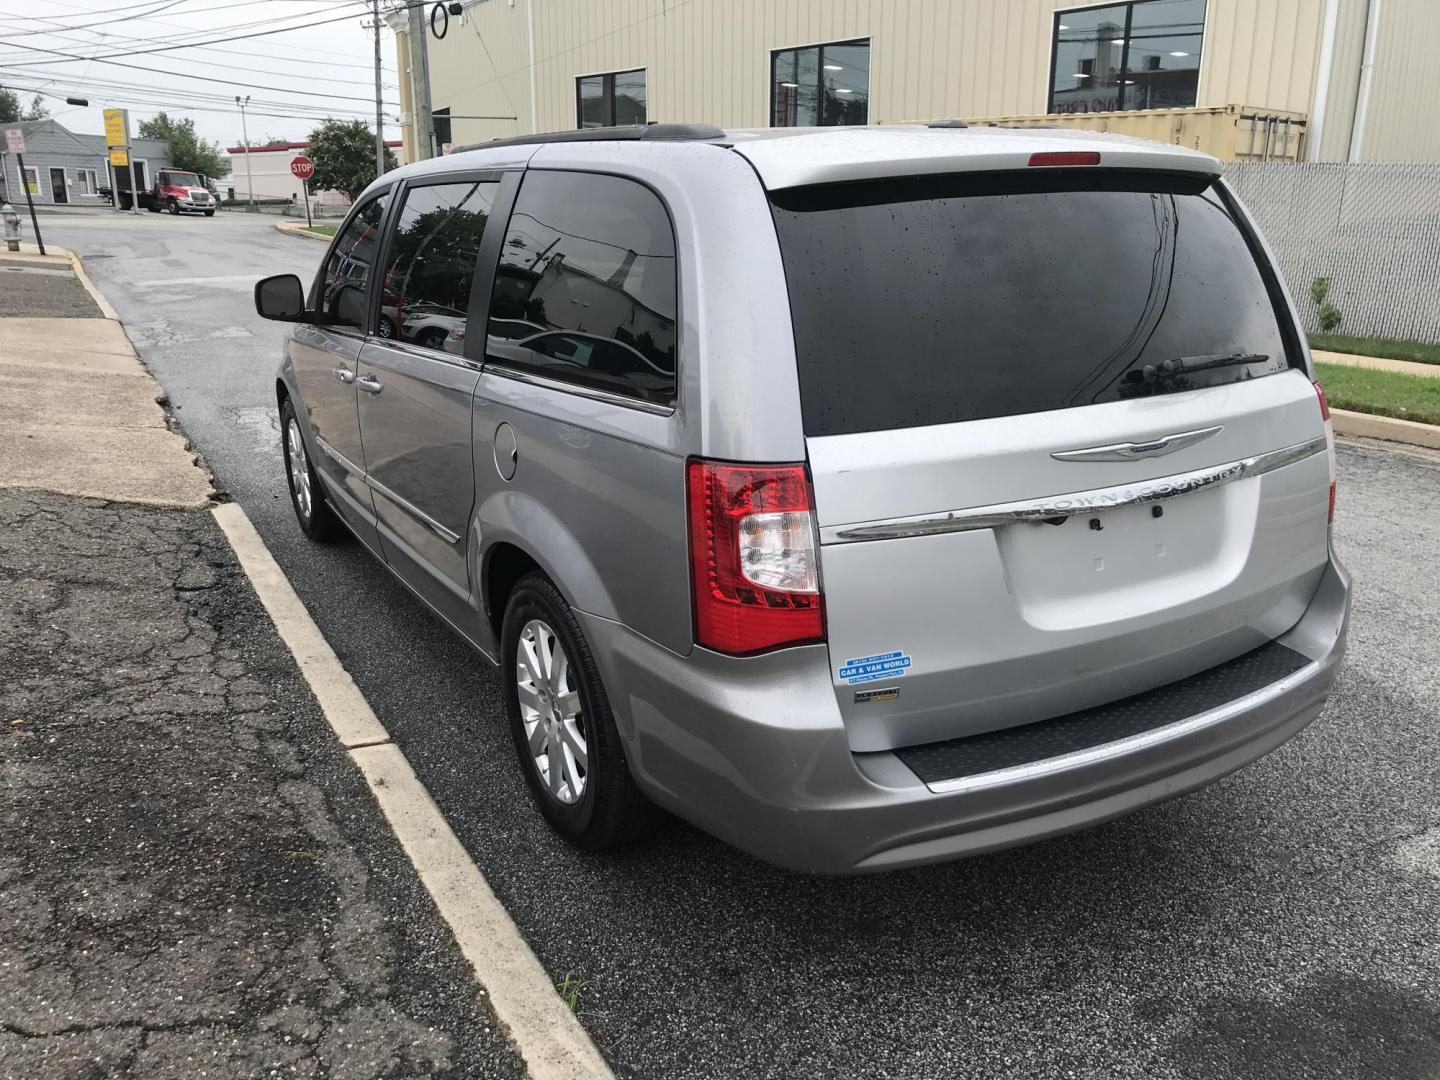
[(369, 384), (345, 375)]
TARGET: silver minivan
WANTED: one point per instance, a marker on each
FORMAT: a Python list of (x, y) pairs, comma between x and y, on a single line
[(867, 497)]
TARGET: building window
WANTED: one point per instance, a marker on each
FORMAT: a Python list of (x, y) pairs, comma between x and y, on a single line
[(31, 180), (1140, 55), (607, 100), (89, 182), (822, 85)]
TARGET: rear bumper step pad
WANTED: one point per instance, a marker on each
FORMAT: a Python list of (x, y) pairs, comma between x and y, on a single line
[(974, 754)]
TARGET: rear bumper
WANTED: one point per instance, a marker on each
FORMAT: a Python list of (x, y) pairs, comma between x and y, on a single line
[(755, 752)]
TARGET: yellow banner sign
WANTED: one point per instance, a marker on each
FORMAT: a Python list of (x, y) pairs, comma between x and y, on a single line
[(115, 127), (119, 157)]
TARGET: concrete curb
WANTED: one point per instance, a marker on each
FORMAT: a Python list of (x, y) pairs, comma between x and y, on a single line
[(100, 301), (545, 1032), (295, 229), (1369, 426)]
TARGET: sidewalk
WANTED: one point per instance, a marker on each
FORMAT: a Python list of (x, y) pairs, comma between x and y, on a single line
[(79, 414), (194, 878), (1376, 363)]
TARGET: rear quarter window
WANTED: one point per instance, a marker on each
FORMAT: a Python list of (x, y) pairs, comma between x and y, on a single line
[(938, 300), (585, 290)]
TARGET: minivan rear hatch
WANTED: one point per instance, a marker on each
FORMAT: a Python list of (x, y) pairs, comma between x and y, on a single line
[(1062, 441)]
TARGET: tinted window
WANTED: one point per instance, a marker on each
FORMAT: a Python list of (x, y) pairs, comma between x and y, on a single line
[(431, 264), (347, 268), (607, 100), (585, 289), (929, 302), (1143, 55), (823, 85)]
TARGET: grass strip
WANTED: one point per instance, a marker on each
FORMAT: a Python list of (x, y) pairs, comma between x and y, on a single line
[(1383, 393)]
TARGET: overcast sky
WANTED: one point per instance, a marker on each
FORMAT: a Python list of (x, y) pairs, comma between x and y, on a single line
[(293, 78)]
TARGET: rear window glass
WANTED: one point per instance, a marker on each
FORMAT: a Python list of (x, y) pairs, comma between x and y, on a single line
[(938, 300)]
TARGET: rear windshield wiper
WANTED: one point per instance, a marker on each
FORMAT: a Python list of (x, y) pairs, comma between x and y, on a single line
[(1186, 364)]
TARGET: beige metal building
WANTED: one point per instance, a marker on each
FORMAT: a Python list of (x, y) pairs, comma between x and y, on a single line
[(1321, 80)]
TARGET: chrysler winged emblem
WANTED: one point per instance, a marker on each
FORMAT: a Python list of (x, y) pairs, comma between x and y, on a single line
[(1132, 451)]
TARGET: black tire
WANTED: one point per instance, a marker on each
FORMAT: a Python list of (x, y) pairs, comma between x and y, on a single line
[(610, 810), (209, 213), (431, 337), (152, 208), (172, 206), (317, 520), (386, 327)]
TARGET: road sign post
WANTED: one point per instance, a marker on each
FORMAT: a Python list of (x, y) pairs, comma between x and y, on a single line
[(15, 144), (117, 142), (303, 169)]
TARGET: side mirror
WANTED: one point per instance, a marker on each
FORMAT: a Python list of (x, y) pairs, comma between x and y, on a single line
[(347, 305), (281, 298)]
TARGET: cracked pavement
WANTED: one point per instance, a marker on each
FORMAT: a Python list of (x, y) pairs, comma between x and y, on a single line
[(194, 880)]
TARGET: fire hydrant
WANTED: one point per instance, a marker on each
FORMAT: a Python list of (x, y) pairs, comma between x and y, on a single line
[(12, 226)]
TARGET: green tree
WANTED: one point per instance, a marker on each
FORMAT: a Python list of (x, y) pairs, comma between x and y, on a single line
[(344, 156), (187, 149), (13, 110)]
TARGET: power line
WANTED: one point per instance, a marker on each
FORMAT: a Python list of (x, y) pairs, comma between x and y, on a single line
[(192, 31), (228, 109), (101, 22), (259, 71), (179, 74), (309, 56), (169, 99), (72, 57)]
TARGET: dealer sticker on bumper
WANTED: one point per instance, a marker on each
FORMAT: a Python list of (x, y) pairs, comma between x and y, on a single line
[(864, 669)]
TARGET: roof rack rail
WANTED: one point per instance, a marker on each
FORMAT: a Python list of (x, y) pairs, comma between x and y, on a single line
[(623, 133), (1029, 127), (947, 124)]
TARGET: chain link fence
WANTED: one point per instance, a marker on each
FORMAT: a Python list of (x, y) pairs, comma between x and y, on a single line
[(1372, 229)]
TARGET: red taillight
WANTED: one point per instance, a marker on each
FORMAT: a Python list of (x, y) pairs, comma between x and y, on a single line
[(754, 557), (1329, 443), (1065, 157)]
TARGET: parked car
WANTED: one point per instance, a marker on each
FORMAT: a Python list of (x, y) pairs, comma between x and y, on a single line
[(867, 497), (429, 327)]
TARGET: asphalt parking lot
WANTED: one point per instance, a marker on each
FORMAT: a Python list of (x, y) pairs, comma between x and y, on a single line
[(1285, 922)]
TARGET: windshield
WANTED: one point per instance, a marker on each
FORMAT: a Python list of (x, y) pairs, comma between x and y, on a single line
[(935, 300), (183, 179)]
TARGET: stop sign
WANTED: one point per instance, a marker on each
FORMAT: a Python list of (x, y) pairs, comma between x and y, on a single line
[(302, 167)]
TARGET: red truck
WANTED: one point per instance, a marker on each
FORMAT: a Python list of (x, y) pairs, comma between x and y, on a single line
[(177, 190)]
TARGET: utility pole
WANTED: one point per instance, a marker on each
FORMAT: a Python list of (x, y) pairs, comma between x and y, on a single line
[(245, 135), (423, 123), (379, 115)]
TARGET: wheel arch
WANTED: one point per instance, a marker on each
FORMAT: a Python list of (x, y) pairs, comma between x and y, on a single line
[(521, 535)]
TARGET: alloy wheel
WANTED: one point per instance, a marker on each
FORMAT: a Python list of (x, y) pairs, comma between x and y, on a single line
[(550, 711), (299, 468)]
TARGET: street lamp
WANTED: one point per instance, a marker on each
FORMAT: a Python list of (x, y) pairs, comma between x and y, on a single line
[(245, 135)]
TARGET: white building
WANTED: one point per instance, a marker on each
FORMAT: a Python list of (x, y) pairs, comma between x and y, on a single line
[(268, 168), (1325, 80)]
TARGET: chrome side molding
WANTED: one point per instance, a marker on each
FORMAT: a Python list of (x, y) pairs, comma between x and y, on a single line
[(1079, 502)]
